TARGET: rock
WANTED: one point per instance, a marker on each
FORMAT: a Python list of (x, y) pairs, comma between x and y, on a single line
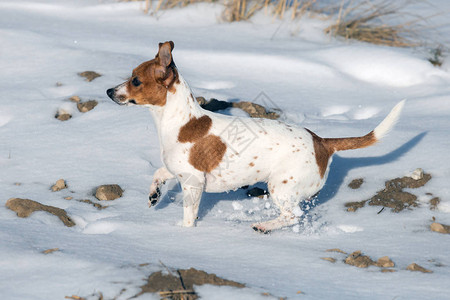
[(441, 228), (255, 110), (201, 100), (256, 192), (59, 185), (416, 267), (417, 174), (356, 183), (385, 262), (75, 99), (358, 260), (62, 115), (215, 105), (108, 192), (89, 75), (86, 106), (25, 207), (330, 259)]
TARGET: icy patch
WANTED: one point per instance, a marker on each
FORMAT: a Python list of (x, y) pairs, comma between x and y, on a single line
[(100, 228), (350, 228)]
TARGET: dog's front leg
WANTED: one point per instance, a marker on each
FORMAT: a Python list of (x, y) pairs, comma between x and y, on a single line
[(159, 178), (192, 194)]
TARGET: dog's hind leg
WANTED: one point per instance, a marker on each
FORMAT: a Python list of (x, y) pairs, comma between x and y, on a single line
[(159, 178), (287, 201)]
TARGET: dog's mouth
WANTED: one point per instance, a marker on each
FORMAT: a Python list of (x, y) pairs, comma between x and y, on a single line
[(119, 99)]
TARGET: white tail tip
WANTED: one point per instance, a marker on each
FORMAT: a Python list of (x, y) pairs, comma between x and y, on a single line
[(388, 123)]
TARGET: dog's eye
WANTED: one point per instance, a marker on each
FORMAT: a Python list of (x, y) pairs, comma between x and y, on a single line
[(136, 81)]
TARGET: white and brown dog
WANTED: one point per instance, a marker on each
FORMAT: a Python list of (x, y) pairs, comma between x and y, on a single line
[(202, 149)]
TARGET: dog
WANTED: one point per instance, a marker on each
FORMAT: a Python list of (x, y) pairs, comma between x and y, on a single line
[(203, 150)]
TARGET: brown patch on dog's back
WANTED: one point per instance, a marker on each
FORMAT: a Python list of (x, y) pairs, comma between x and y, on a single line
[(194, 129), (207, 153)]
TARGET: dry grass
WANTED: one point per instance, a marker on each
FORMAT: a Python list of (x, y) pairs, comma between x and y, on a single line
[(370, 22)]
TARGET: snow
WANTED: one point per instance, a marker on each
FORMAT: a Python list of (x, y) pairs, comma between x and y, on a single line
[(333, 87)]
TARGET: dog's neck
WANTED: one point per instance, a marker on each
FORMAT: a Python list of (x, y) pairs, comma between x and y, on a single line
[(180, 107)]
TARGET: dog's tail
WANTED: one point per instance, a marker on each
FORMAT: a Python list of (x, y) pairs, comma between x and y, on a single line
[(340, 144)]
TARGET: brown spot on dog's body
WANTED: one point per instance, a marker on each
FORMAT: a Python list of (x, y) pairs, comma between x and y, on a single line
[(207, 153), (194, 129), (251, 164), (324, 148), (285, 181)]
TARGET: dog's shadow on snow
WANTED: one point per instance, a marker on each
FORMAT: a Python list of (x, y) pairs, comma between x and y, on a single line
[(339, 169), (340, 166)]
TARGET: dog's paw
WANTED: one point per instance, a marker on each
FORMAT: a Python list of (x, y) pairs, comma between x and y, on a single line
[(261, 229), (154, 198)]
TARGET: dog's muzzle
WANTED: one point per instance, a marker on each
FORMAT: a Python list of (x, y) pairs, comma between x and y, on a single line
[(112, 94)]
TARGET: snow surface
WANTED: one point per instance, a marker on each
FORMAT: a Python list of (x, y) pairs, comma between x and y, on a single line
[(333, 87)]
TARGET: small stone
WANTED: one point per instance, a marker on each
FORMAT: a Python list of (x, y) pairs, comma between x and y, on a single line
[(385, 262), (417, 174), (58, 84), (358, 260), (62, 115), (356, 183), (330, 259), (416, 267), (89, 75), (68, 198), (75, 99), (25, 207), (201, 100), (434, 202), (441, 228), (59, 185), (108, 192), (86, 106)]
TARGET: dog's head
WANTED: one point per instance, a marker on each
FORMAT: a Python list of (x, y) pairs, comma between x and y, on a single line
[(150, 81)]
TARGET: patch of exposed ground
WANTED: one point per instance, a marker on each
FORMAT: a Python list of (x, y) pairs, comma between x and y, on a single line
[(358, 259), (179, 284), (394, 196), (25, 207)]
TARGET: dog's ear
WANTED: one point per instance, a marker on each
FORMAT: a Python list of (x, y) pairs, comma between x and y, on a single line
[(165, 58)]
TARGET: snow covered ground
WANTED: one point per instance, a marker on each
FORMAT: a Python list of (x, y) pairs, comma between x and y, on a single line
[(332, 87)]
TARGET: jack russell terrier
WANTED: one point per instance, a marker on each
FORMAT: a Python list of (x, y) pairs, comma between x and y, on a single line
[(203, 150)]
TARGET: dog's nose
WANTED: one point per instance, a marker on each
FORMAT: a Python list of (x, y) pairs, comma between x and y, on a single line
[(110, 93)]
